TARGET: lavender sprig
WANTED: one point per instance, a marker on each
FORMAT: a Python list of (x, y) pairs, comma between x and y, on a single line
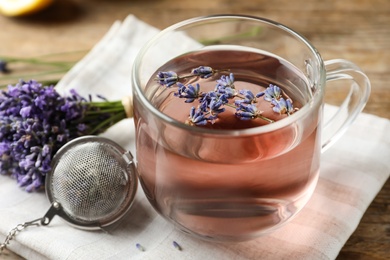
[(203, 71), (197, 117), (35, 121), (167, 78), (272, 92), (190, 93), (47, 68)]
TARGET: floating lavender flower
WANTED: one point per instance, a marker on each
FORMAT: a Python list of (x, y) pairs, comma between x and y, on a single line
[(225, 82), (282, 106), (203, 72), (215, 105), (212, 100), (197, 117), (247, 111), (35, 121), (249, 97), (250, 111), (190, 93), (167, 78), (228, 92), (215, 109), (272, 92), (206, 98)]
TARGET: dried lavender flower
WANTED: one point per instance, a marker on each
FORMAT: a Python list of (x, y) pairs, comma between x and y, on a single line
[(282, 106), (197, 117), (176, 245), (203, 72), (35, 121), (272, 92), (4, 66), (215, 106), (190, 93), (225, 81), (248, 97), (247, 111), (167, 78), (140, 247)]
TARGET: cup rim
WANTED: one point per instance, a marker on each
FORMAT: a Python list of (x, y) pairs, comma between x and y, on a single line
[(295, 117)]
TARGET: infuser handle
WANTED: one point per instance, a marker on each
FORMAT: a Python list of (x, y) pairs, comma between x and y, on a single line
[(55, 209), (352, 105)]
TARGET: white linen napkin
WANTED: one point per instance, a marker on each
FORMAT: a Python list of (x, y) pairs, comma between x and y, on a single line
[(353, 170)]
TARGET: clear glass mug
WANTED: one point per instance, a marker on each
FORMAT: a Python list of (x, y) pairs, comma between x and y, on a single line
[(235, 185)]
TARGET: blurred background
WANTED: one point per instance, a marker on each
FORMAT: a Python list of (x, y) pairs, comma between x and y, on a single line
[(357, 30)]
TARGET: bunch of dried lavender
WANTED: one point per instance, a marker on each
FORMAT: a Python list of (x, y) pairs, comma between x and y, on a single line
[(35, 121)]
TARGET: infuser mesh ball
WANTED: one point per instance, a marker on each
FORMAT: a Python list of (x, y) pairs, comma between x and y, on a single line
[(94, 181)]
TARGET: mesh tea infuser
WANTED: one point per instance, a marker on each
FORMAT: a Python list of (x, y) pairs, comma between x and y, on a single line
[(92, 185)]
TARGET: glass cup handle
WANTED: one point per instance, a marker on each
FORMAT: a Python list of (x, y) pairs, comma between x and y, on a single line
[(352, 105)]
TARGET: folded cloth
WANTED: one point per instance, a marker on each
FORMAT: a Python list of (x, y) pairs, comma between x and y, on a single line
[(353, 170)]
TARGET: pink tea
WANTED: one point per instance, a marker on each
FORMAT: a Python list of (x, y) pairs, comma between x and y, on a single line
[(234, 185)]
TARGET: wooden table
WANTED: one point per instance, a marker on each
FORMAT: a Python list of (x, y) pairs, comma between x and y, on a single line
[(357, 30)]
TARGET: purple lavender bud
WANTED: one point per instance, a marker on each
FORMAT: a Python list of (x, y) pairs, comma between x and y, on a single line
[(197, 117), (208, 96), (28, 161), (260, 94), (282, 106), (272, 92), (3, 66), (46, 150), (167, 78), (25, 111), (190, 93), (225, 82), (203, 72), (227, 91), (249, 97), (176, 245), (215, 106), (45, 166), (4, 150), (82, 128), (247, 111)]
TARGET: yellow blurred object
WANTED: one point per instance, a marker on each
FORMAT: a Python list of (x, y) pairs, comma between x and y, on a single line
[(22, 7)]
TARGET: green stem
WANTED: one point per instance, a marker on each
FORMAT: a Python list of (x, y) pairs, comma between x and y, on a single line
[(266, 119), (38, 62), (103, 111), (108, 122), (35, 74), (62, 53), (106, 104)]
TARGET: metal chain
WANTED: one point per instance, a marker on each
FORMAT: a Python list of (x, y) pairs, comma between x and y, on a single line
[(11, 235)]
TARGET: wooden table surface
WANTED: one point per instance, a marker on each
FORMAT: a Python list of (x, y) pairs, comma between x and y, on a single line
[(357, 30)]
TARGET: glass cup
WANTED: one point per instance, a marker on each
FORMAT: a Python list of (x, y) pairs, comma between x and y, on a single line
[(237, 184)]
